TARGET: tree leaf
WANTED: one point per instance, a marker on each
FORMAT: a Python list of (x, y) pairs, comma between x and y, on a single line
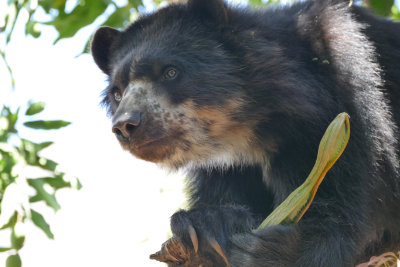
[(44, 145), (31, 149), (46, 125), (11, 117), (4, 249), (40, 222), (263, 3), (395, 12), (11, 221), (18, 235), (62, 180), (256, 2), (120, 17), (33, 28), (43, 194), (10, 158), (14, 261), (82, 15), (382, 7), (57, 182), (135, 3), (10, 204), (47, 164), (52, 4), (35, 108)]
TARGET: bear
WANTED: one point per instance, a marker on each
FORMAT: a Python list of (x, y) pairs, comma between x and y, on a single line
[(239, 98)]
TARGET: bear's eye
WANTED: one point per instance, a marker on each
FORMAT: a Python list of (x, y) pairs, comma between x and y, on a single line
[(170, 73), (117, 95)]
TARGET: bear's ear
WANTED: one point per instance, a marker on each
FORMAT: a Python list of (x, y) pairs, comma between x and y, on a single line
[(100, 47), (214, 10)]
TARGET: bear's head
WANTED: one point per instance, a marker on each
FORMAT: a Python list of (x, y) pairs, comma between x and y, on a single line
[(175, 91)]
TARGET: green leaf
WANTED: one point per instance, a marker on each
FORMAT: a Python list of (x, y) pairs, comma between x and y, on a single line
[(382, 7), (395, 12), (256, 2), (52, 4), (4, 249), (44, 193), (120, 17), (46, 125), (14, 261), (57, 182), (40, 222), (18, 235), (47, 164), (10, 204), (33, 28), (135, 3), (10, 158), (11, 221), (8, 67), (82, 15), (11, 117), (31, 151), (35, 108)]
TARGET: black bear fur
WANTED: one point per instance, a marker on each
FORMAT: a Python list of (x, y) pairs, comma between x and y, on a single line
[(241, 98)]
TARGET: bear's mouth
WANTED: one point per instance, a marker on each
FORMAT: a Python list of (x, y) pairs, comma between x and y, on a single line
[(149, 142), (154, 149)]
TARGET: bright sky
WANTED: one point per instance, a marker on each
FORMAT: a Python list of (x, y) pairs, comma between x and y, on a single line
[(122, 213)]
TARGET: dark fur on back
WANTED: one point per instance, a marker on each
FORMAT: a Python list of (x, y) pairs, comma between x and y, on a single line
[(252, 94)]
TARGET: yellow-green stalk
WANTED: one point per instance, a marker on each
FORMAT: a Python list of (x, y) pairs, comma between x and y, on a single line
[(330, 148)]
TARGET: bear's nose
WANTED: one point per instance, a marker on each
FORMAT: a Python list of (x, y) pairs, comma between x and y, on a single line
[(125, 124)]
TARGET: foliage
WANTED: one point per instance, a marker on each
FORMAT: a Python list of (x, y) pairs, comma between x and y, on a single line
[(66, 20), (384, 8), (258, 3), (381, 7), (16, 154)]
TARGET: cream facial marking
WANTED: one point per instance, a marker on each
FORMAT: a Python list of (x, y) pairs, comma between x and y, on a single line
[(187, 134)]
